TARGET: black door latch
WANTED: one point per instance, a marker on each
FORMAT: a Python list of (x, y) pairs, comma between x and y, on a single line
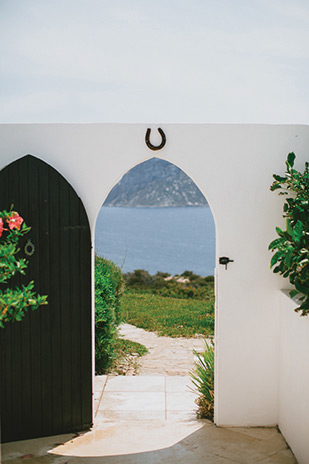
[(225, 260)]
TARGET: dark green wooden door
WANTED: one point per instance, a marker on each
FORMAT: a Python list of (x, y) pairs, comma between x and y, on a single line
[(46, 366)]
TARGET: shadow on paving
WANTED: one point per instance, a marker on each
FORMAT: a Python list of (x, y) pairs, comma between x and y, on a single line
[(209, 444)]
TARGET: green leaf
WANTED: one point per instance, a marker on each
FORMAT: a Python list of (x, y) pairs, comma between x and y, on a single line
[(276, 270), (275, 186), (288, 258), (293, 293), (277, 256), (279, 178), (275, 243), (279, 231), (289, 227), (297, 232), (290, 159), (302, 288)]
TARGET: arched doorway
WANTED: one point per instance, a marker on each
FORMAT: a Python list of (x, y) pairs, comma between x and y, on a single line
[(150, 229), (46, 367)]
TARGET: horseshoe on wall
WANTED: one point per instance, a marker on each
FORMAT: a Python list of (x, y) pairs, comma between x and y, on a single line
[(150, 145)]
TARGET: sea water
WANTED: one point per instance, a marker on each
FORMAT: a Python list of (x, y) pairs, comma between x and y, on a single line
[(157, 239)]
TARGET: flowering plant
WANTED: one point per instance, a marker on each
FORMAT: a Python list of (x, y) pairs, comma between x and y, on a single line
[(14, 302)]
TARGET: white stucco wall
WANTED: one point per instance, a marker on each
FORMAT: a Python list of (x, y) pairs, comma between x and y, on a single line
[(294, 378), (233, 167)]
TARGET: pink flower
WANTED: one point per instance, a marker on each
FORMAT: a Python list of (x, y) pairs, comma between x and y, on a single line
[(1, 226), (15, 221)]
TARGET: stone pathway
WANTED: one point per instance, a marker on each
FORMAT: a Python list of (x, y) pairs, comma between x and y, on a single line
[(167, 356)]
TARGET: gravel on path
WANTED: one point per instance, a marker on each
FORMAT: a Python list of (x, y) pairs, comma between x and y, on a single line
[(166, 355)]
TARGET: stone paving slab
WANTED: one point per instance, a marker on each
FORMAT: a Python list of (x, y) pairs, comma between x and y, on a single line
[(180, 401), (135, 384), (132, 401), (99, 383), (129, 416), (178, 384)]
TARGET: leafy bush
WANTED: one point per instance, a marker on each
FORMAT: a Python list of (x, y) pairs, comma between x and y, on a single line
[(109, 286), (203, 380), (139, 279), (14, 302), (292, 247), (162, 275), (190, 275)]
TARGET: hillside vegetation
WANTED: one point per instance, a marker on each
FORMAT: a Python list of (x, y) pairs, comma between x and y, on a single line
[(179, 306)]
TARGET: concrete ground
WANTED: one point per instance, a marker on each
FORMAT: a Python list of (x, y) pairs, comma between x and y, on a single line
[(151, 420)]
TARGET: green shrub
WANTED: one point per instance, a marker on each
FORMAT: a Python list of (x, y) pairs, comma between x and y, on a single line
[(190, 275), (109, 286), (203, 380), (292, 247), (162, 275), (139, 279)]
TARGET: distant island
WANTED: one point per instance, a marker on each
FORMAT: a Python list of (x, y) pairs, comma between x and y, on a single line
[(155, 183)]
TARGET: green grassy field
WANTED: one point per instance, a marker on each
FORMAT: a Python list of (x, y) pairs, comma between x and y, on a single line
[(172, 317)]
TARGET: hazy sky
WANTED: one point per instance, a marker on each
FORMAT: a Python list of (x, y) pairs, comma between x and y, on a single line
[(154, 61)]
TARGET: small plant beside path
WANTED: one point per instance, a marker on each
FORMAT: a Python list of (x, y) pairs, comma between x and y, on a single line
[(203, 376)]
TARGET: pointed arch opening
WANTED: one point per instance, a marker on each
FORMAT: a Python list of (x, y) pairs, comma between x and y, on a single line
[(158, 228)]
